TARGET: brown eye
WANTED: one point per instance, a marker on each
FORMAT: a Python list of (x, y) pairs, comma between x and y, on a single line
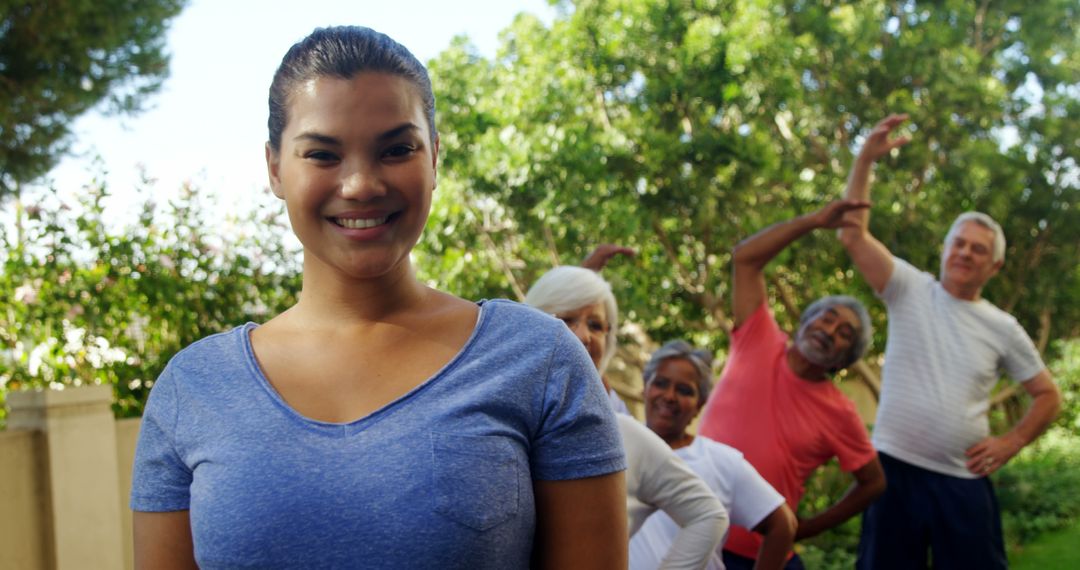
[(321, 156), (399, 151)]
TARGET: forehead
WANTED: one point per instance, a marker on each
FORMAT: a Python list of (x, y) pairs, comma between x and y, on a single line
[(974, 232), (678, 369), (595, 310), (368, 101), (845, 314)]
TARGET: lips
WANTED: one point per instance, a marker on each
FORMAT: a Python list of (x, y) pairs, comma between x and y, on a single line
[(666, 411), (362, 220), (822, 340), (360, 223)]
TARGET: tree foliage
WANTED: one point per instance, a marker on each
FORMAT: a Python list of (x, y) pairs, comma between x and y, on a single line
[(59, 59), (680, 127)]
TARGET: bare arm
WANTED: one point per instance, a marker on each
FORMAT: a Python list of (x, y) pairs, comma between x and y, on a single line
[(991, 453), (755, 252), (778, 531), (581, 523), (603, 253), (163, 540), (869, 484), (868, 254)]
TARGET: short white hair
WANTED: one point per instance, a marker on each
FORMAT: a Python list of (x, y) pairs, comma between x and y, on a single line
[(568, 288), (986, 222)]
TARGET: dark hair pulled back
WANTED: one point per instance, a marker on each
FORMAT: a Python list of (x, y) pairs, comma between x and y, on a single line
[(343, 52)]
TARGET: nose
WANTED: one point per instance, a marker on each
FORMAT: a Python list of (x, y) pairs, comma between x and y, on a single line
[(362, 182), (669, 393)]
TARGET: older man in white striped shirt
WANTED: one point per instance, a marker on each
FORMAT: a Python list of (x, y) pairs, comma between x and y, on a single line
[(946, 348)]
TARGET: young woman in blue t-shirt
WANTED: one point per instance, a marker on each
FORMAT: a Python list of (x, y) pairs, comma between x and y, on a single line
[(378, 422)]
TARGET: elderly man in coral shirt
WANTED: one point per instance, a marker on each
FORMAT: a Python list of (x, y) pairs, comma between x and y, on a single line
[(775, 401)]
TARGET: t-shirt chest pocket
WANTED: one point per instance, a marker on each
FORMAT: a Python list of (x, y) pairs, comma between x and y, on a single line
[(476, 479)]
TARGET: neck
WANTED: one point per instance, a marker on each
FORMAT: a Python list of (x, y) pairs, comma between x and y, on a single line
[(803, 368), (961, 292), (679, 440), (328, 296)]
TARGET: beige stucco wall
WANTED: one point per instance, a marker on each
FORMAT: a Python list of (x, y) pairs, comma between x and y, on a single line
[(65, 477), (23, 496), (127, 431)]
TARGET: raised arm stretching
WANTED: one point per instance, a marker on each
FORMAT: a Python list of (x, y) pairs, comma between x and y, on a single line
[(755, 252), (869, 255)]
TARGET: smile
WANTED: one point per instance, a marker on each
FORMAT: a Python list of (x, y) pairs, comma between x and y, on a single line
[(360, 223)]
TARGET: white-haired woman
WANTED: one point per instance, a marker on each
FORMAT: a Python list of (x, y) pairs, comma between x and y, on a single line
[(655, 478)]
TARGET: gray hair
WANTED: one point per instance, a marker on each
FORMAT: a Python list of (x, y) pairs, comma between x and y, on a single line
[(986, 222), (865, 335), (701, 359), (568, 288)]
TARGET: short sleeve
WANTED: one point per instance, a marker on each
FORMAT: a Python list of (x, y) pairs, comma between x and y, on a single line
[(761, 326), (160, 479), (1022, 361), (850, 441), (903, 278), (577, 436), (753, 498)]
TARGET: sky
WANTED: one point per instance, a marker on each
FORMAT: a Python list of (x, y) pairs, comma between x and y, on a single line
[(207, 125)]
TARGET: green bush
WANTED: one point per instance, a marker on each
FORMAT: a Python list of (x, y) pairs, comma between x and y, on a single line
[(87, 299), (1039, 490)]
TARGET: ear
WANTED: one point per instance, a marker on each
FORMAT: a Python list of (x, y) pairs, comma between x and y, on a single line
[(997, 267), (435, 162), (273, 170)]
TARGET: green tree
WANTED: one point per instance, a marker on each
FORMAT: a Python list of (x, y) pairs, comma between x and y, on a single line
[(61, 58), (680, 127)]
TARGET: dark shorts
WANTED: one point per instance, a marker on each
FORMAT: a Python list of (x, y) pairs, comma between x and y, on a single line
[(734, 561), (926, 518)]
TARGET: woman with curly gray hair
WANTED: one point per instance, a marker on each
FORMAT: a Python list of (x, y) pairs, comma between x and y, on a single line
[(678, 379)]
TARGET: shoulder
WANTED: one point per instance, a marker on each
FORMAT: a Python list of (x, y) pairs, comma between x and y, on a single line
[(640, 441), (904, 276), (715, 450), (503, 315), (759, 326), (514, 328), (721, 458), (213, 352), (995, 314)]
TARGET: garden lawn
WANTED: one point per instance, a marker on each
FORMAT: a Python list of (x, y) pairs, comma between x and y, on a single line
[(1051, 551)]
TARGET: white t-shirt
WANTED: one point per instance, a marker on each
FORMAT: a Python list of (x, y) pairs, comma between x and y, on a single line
[(745, 494), (617, 403), (657, 479), (943, 358)]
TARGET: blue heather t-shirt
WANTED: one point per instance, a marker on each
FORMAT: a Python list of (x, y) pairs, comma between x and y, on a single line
[(439, 478)]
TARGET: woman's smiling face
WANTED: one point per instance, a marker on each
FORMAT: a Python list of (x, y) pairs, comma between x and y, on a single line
[(672, 398), (356, 169)]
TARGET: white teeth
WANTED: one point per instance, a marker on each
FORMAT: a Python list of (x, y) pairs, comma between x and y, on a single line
[(360, 223)]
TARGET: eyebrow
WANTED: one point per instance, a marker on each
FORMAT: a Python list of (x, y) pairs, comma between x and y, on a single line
[(329, 140), (835, 313)]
